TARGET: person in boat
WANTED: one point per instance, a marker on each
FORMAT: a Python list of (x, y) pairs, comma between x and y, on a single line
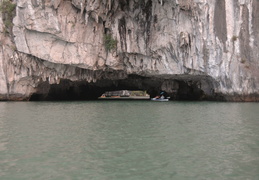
[(162, 95)]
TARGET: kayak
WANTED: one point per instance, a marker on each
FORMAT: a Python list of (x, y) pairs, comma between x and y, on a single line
[(159, 99)]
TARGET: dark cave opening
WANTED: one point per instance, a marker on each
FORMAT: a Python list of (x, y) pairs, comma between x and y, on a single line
[(180, 89), (67, 90), (189, 91)]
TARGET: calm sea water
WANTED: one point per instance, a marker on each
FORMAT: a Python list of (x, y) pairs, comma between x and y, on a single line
[(129, 140)]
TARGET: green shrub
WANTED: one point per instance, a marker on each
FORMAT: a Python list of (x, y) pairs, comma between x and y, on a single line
[(109, 42), (7, 9), (234, 38)]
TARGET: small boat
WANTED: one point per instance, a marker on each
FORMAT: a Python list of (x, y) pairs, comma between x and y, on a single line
[(159, 99)]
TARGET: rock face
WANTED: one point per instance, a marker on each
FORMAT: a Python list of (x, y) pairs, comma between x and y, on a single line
[(78, 49)]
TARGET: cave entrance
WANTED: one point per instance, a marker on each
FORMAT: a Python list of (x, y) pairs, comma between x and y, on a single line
[(67, 90), (193, 88)]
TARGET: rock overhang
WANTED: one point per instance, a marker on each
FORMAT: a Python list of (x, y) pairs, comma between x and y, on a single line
[(174, 41)]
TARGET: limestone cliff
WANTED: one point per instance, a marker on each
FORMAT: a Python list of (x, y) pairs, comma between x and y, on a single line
[(78, 49)]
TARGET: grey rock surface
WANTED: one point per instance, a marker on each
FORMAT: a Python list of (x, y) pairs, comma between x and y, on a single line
[(206, 46)]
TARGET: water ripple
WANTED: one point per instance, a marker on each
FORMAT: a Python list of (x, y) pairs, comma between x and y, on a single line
[(129, 140)]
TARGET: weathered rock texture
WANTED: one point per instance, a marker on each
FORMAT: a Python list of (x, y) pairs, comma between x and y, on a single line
[(195, 49)]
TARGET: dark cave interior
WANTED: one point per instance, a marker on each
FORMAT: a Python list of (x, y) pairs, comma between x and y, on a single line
[(182, 89)]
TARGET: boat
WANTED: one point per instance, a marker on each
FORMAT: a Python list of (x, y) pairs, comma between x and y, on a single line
[(159, 99)]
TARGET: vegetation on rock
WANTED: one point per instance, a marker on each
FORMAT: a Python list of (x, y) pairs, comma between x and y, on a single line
[(109, 42), (7, 8), (234, 38)]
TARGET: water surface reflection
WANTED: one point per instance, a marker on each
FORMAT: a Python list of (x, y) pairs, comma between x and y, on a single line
[(129, 140)]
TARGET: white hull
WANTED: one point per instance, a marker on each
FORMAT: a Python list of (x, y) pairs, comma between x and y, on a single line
[(161, 100)]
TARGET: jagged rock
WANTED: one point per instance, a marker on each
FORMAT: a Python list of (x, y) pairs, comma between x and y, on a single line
[(202, 49)]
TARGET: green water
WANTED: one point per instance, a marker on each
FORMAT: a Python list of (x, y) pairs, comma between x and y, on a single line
[(129, 140)]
